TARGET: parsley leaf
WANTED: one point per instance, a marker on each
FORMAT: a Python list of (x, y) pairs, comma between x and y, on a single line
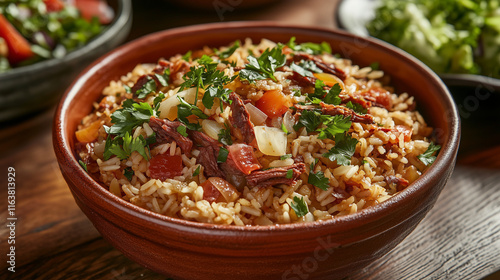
[(212, 93), (184, 110), (332, 97), (299, 206), (147, 88), (128, 173), (356, 107), (309, 119), (283, 127), (223, 153), (302, 71), (131, 115), (227, 53), (163, 79), (334, 125), (196, 171), (187, 56), (427, 157), (122, 147), (264, 67), (319, 180), (310, 48), (289, 174), (344, 149), (224, 136), (287, 156), (182, 130), (83, 165), (327, 126)]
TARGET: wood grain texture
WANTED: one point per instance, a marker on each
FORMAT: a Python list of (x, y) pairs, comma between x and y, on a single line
[(48, 220)]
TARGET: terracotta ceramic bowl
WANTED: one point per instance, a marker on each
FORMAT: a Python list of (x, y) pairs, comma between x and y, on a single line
[(31, 88), (189, 250)]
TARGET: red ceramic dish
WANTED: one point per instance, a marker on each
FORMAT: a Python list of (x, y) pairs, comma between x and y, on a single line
[(319, 250)]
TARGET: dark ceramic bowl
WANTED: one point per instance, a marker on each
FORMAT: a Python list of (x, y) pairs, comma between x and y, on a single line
[(31, 88), (319, 250)]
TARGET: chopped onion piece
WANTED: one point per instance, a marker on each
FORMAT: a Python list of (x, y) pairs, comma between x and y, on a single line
[(270, 140), (257, 117), (211, 128), (168, 107)]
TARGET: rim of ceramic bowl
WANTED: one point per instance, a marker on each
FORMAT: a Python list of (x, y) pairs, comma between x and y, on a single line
[(65, 153), (122, 15)]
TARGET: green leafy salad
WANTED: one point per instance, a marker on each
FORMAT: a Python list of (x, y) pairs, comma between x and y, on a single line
[(450, 36), (35, 30)]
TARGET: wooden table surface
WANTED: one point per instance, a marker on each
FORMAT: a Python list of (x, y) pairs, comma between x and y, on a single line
[(458, 239)]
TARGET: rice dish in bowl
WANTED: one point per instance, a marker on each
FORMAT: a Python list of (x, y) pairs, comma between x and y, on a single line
[(255, 133)]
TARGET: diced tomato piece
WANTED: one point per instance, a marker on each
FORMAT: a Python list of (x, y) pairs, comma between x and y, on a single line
[(19, 47), (379, 96), (97, 8), (53, 5), (273, 103), (210, 193), (164, 166), (404, 130), (244, 158)]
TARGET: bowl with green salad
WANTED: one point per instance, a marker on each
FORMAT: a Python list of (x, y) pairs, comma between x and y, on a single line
[(44, 44), (458, 39)]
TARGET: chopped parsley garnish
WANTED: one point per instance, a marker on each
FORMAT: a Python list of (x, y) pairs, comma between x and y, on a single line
[(130, 116), (182, 130), (205, 76), (212, 93), (356, 107), (196, 171), (427, 157), (223, 153), (310, 48), (299, 206), (224, 136), (147, 88), (128, 173), (83, 165), (287, 156), (375, 65), (327, 126), (301, 70), (334, 125), (184, 110), (163, 79), (187, 56), (332, 97), (263, 67), (306, 68), (122, 147), (125, 120), (227, 53), (344, 149), (283, 127), (318, 179), (289, 174), (321, 94)]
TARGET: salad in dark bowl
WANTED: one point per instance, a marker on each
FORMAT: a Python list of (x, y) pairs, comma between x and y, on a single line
[(44, 44), (460, 40)]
